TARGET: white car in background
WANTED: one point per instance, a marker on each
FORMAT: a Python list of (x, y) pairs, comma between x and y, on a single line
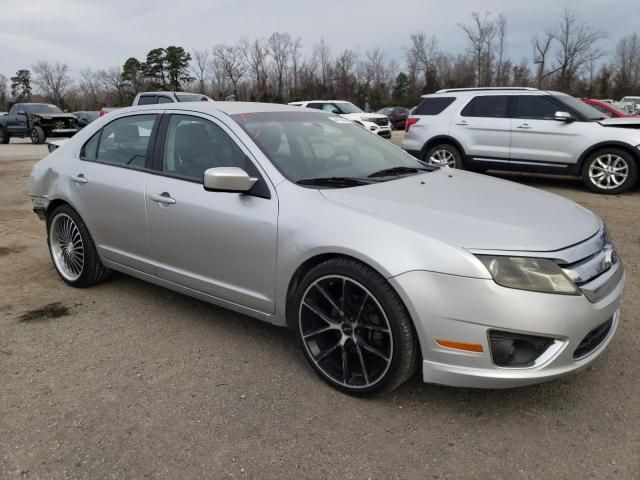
[(374, 122)]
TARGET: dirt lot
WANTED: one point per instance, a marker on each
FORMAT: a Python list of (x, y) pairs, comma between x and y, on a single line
[(127, 380)]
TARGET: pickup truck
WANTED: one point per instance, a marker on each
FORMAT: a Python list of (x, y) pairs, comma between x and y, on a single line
[(37, 121)]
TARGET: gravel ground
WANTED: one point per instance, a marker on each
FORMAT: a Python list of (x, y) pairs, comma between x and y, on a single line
[(128, 380)]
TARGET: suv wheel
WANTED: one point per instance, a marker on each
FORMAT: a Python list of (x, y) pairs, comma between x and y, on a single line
[(353, 328), (444, 155), (610, 171)]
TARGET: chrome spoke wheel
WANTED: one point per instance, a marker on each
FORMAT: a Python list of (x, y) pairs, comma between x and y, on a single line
[(67, 248), (442, 158), (345, 331), (608, 171)]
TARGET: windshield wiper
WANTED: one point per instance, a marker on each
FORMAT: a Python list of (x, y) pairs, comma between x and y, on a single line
[(335, 181), (397, 171)]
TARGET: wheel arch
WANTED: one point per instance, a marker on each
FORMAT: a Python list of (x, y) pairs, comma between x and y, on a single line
[(635, 154), (439, 139)]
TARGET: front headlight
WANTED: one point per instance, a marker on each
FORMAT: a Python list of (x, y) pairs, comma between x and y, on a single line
[(535, 274), (370, 119)]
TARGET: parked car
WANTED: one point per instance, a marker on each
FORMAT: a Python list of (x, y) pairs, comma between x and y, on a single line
[(606, 108), (396, 115), (37, 121), (632, 104), (85, 117), (373, 122), (524, 129), (380, 264), (148, 98), (105, 110)]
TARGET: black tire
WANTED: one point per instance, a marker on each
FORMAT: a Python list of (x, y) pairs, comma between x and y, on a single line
[(404, 352), (37, 135), (93, 271), (605, 181), (4, 136), (445, 148)]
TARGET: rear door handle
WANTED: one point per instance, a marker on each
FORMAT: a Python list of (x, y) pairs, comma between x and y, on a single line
[(524, 126), (163, 198), (80, 178)]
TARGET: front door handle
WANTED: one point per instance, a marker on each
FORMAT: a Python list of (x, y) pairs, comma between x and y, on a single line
[(80, 178), (163, 198), (462, 123), (524, 126)]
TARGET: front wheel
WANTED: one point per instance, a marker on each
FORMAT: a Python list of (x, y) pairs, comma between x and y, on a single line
[(353, 328), (610, 171), (37, 135), (72, 249), (444, 155), (4, 136)]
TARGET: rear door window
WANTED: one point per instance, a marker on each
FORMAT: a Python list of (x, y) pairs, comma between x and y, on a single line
[(494, 106), (433, 105), (147, 100), (164, 100)]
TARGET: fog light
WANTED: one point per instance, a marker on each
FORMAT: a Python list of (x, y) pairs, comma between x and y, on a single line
[(516, 350)]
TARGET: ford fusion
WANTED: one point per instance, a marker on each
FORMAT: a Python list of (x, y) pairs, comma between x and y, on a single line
[(380, 264)]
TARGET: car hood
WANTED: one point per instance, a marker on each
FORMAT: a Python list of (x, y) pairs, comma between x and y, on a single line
[(362, 116), (474, 211), (625, 122), (51, 116)]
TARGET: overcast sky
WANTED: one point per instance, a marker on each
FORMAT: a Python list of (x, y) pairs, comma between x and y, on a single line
[(102, 33)]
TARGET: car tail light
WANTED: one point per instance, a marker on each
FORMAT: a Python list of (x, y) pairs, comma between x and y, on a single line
[(410, 121)]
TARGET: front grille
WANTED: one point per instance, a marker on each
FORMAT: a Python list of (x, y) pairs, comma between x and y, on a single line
[(383, 122), (593, 339)]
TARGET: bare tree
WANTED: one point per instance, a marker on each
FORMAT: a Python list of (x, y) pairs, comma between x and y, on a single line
[(112, 81), (480, 34), (501, 31), (296, 58), (255, 54), (345, 67), (280, 45), (201, 66), (322, 55), (627, 60), (53, 80), (422, 54), (231, 62), (541, 48), (577, 46), (4, 88), (90, 86)]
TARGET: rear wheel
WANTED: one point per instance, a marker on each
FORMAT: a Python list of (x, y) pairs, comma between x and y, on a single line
[(72, 249), (610, 171), (353, 328), (444, 155), (37, 135), (4, 136)]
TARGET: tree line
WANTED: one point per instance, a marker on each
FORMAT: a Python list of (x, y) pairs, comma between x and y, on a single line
[(566, 56)]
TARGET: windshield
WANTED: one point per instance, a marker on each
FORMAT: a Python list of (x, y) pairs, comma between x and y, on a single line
[(43, 108), (348, 107), (587, 111), (192, 97), (634, 100), (309, 145)]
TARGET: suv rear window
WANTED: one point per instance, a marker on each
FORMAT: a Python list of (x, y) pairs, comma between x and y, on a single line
[(494, 106), (433, 105)]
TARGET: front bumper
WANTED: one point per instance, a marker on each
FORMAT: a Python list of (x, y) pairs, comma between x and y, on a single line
[(465, 309), (383, 130)]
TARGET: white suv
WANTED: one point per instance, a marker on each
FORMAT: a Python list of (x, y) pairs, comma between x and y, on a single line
[(524, 129), (374, 122), (149, 98)]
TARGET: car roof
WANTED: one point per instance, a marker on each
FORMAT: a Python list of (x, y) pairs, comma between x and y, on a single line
[(230, 108), (320, 101), (468, 92)]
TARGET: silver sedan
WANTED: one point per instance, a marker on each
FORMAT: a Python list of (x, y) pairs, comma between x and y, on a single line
[(380, 264)]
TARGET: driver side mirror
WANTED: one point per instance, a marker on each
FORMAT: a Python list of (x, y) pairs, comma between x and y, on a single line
[(228, 179), (563, 117)]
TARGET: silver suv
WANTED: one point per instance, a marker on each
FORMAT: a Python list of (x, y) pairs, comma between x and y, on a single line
[(524, 129)]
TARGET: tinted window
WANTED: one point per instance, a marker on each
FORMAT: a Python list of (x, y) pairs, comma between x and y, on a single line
[(601, 109), (487, 106), (14, 110), (433, 105), (317, 106), (164, 100), (193, 145), (121, 142), (536, 107), (147, 100)]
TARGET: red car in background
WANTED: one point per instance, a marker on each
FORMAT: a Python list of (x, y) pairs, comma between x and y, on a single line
[(606, 108)]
